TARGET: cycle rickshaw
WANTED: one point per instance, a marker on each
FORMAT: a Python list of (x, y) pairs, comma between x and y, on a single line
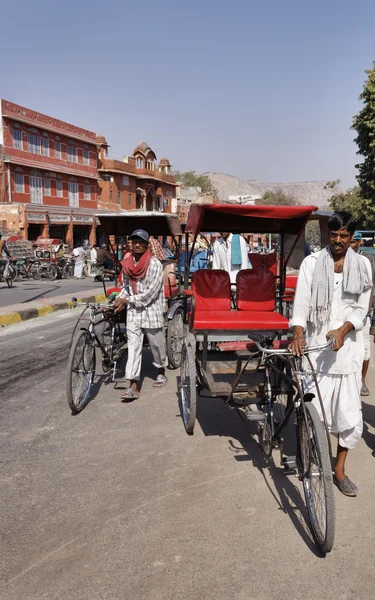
[(241, 354), (100, 328)]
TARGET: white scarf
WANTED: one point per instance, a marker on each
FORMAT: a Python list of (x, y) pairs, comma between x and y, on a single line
[(356, 280)]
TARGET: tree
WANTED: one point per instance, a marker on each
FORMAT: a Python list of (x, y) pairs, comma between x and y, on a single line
[(278, 197), (352, 201), (364, 125), (191, 179)]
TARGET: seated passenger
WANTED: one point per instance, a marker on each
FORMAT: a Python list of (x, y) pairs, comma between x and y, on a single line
[(230, 254)]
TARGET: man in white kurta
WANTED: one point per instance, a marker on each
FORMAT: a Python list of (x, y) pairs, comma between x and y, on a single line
[(222, 256), (338, 372)]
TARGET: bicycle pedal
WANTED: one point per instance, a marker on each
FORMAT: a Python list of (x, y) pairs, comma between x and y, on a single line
[(289, 463)]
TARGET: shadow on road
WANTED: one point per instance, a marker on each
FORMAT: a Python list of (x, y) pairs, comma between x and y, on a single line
[(217, 419), (368, 412)]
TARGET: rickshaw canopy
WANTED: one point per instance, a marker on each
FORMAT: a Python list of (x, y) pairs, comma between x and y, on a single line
[(247, 219), (155, 223)]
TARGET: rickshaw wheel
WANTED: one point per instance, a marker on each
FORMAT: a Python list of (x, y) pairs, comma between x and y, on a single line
[(187, 388), (175, 333)]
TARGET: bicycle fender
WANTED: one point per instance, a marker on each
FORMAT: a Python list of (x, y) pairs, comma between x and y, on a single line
[(174, 308)]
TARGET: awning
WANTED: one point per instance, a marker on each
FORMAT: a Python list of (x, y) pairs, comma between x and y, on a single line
[(247, 218), (155, 223)]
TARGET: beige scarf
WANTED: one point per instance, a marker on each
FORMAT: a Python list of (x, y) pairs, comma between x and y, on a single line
[(356, 280)]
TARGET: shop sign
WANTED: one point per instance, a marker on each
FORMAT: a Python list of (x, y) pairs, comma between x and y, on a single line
[(59, 218), (36, 217), (81, 219)]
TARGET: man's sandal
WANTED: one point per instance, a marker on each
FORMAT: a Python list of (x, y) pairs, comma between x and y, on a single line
[(130, 394), (160, 380), (364, 390), (346, 487)]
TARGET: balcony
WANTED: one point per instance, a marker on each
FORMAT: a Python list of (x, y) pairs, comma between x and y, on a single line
[(113, 165)]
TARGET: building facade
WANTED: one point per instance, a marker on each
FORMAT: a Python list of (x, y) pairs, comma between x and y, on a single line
[(48, 176), (136, 182)]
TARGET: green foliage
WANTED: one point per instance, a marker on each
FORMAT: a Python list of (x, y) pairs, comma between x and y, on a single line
[(330, 185), (364, 125), (277, 197), (191, 179), (312, 233), (352, 201)]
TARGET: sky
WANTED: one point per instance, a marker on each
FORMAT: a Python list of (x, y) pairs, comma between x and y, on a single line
[(260, 90)]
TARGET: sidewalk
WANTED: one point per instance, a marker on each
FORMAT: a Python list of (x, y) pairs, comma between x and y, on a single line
[(15, 313)]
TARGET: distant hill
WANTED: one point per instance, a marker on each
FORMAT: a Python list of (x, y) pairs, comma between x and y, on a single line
[(305, 192)]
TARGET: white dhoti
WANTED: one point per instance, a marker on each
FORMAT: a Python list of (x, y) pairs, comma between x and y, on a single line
[(342, 405), (78, 268)]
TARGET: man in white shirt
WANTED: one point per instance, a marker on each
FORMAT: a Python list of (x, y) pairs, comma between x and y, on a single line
[(226, 259), (332, 299)]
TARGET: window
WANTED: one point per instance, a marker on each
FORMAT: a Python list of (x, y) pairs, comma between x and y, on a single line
[(57, 149), (19, 186), (130, 199), (59, 188), (118, 197), (87, 195), (86, 157), (72, 153), (110, 195), (36, 190), (34, 143), (45, 146), (73, 194), (139, 163), (17, 139), (47, 186), (106, 177), (125, 180)]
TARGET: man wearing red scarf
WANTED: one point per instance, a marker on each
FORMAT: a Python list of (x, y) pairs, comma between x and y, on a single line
[(143, 295)]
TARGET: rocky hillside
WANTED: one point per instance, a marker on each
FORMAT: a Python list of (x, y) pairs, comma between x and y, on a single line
[(305, 192)]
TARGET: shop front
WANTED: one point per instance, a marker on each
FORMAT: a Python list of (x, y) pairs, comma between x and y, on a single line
[(83, 229)]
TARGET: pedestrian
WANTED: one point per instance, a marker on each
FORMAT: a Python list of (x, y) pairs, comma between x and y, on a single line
[(230, 254), (156, 249), (356, 243), (80, 257), (103, 257), (143, 295), (332, 299)]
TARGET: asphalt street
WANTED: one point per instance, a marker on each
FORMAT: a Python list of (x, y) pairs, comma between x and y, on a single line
[(119, 503), (27, 290)]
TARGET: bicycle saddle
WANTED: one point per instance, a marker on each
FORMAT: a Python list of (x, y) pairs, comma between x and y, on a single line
[(265, 338)]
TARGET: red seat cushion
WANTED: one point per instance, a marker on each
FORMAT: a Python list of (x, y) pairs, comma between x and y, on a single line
[(239, 319), (113, 290), (211, 289), (291, 282), (255, 290), (170, 291)]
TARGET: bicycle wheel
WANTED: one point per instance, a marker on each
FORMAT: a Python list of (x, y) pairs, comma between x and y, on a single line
[(187, 388), (47, 271), (68, 270), (175, 332), (81, 372), (317, 478)]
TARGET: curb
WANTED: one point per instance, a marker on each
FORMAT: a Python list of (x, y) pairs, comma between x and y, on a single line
[(45, 309)]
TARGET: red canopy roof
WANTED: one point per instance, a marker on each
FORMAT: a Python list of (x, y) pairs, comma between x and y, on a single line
[(247, 219)]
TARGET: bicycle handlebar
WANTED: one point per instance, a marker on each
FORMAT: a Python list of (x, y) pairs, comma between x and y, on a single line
[(92, 304), (306, 350)]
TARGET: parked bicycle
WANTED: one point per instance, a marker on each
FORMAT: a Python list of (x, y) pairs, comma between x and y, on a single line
[(101, 329)]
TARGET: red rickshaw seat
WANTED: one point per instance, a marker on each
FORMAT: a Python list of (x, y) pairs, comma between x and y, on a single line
[(211, 290), (239, 319), (255, 290), (170, 291)]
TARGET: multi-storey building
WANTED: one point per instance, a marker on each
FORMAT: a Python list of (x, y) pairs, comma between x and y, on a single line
[(136, 182), (48, 176)]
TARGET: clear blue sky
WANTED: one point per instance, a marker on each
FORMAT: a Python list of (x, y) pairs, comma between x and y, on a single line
[(261, 90)]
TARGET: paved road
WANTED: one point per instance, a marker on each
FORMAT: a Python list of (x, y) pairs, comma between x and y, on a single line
[(25, 291), (119, 503)]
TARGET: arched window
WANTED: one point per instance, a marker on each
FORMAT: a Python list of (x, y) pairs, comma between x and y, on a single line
[(72, 151), (33, 141), (139, 162), (86, 155), (17, 136), (45, 144), (59, 187)]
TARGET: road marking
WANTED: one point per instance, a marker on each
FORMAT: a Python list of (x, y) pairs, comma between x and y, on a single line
[(10, 319), (44, 310)]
